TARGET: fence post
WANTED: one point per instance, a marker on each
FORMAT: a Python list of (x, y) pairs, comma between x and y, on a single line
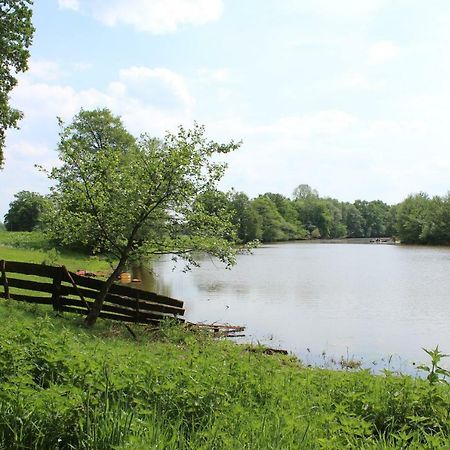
[(137, 308), (56, 296), (4, 279)]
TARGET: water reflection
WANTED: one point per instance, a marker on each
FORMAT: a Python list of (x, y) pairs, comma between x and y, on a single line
[(149, 280), (381, 303)]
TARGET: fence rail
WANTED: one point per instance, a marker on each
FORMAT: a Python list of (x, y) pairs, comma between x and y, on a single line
[(69, 292)]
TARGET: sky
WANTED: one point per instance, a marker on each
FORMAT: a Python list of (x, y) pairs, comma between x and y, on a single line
[(351, 97)]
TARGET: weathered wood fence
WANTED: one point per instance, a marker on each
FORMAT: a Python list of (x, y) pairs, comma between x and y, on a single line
[(73, 293)]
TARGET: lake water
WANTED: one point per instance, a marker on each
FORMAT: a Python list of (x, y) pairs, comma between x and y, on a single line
[(322, 301)]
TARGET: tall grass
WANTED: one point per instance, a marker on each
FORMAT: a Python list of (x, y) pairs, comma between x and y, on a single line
[(63, 387)]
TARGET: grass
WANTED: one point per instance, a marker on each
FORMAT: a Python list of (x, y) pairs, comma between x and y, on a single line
[(34, 247), (62, 386), (65, 387)]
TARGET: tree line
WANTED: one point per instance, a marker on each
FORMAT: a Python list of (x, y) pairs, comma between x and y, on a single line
[(271, 217), (419, 219)]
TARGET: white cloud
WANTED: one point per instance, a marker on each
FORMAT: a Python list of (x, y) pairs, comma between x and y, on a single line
[(382, 52), (359, 81), (69, 4), (148, 99), (155, 16), (322, 123), (81, 66), (343, 8), (45, 70), (214, 75), (150, 81)]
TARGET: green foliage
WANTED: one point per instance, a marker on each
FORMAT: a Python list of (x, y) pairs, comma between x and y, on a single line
[(436, 227), (127, 197), (436, 373), (16, 34), (62, 386), (2, 227), (245, 217), (411, 218), (422, 220), (353, 220), (273, 225), (314, 213), (25, 211), (52, 258), (374, 216), (305, 192)]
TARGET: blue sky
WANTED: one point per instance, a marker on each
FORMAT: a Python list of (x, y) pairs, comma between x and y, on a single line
[(350, 96)]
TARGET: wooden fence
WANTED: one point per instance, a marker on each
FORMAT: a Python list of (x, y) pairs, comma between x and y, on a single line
[(73, 293)]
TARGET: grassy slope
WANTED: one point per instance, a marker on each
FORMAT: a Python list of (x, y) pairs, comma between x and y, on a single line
[(34, 247), (62, 386)]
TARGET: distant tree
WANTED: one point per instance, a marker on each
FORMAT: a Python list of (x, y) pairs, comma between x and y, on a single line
[(305, 191), (353, 220), (2, 226), (137, 197), (391, 221), (245, 217), (284, 206), (25, 211), (436, 229), (274, 227), (375, 216), (314, 213), (338, 228), (412, 217), (16, 34)]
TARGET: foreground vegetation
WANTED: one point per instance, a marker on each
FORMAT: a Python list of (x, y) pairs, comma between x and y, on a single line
[(65, 387)]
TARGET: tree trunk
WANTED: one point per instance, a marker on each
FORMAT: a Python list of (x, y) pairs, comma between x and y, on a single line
[(96, 307)]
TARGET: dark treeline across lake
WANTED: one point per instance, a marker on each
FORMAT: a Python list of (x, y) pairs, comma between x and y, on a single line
[(273, 217), (322, 300)]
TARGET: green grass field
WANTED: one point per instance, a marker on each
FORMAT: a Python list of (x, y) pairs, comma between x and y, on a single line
[(34, 247), (65, 387)]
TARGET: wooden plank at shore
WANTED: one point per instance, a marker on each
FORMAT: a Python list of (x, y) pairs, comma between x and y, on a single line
[(104, 315), (145, 295), (143, 305), (124, 301), (117, 309), (39, 270), (31, 299), (126, 291)]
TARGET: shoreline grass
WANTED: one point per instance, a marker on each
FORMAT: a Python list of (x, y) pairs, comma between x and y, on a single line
[(62, 386)]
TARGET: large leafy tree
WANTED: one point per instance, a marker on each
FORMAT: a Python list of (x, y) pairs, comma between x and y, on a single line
[(136, 197), (25, 211), (16, 34)]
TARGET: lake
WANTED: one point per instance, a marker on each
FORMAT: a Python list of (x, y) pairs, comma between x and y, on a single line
[(323, 300)]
